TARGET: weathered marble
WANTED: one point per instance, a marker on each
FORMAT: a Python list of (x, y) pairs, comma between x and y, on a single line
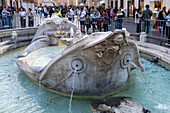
[(49, 33), (117, 105), (94, 65)]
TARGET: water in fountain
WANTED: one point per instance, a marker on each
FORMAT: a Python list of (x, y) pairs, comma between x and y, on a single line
[(19, 93), (73, 87)]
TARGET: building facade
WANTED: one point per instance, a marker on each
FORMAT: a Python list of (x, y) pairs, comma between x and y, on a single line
[(63, 2), (18, 3)]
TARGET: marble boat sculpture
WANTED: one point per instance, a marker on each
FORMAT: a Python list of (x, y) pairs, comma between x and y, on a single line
[(91, 65)]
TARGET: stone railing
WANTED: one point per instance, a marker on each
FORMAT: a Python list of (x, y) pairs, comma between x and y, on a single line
[(20, 31)]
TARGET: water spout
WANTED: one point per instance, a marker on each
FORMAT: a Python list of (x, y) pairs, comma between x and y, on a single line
[(39, 92), (137, 67), (73, 87)]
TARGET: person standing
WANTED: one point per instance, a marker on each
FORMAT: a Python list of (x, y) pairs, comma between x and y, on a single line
[(82, 17), (1, 8), (157, 22), (97, 19), (22, 14), (10, 14), (30, 18), (108, 14), (137, 20), (115, 18), (119, 19), (45, 11), (36, 9), (70, 15), (146, 17), (167, 17), (134, 10), (161, 17), (105, 18), (61, 10), (51, 11), (4, 17), (111, 13), (88, 24), (40, 11)]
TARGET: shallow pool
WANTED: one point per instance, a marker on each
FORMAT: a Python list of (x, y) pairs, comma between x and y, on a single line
[(19, 94)]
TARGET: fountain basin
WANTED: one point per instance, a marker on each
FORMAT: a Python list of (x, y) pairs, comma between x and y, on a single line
[(100, 64), (20, 94)]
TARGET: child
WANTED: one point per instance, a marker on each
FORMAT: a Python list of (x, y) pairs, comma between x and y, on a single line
[(88, 23)]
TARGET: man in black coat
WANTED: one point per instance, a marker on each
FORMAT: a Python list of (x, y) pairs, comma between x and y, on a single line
[(160, 17)]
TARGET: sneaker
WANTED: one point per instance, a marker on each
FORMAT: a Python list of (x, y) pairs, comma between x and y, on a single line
[(166, 44), (110, 25)]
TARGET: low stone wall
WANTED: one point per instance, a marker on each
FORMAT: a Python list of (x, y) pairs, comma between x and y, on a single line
[(153, 50), (22, 40), (20, 31), (12, 44)]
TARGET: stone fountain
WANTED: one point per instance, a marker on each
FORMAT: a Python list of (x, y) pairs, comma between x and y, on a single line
[(96, 64)]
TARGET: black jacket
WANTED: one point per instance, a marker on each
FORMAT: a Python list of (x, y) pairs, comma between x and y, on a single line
[(160, 16)]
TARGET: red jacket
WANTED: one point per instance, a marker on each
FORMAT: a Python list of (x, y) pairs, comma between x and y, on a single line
[(114, 15)]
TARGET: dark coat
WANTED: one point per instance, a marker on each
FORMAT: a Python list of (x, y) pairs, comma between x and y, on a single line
[(147, 14)]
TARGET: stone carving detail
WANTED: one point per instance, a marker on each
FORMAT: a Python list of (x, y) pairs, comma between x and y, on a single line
[(50, 32), (117, 105), (77, 64), (109, 48), (102, 60), (126, 60)]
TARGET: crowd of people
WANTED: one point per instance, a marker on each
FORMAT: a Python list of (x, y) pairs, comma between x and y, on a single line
[(101, 17), (162, 20), (97, 19), (89, 17), (6, 16)]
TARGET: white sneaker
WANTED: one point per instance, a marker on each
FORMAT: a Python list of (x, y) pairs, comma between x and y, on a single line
[(166, 44), (110, 25)]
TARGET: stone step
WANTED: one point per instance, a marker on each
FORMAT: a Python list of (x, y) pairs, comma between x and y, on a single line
[(160, 52)]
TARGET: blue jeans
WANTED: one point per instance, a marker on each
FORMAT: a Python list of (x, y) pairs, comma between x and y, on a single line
[(116, 24), (9, 22), (119, 25), (4, 20)]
